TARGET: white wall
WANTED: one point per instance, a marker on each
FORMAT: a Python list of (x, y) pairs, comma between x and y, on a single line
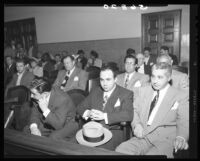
[(67, 24)]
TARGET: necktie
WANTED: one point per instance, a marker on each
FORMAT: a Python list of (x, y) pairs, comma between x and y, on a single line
[(65, 80), (153, 103), (126, 81), (105, 99)]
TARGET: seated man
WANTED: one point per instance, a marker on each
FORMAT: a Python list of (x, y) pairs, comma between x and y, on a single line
[(178, 79), (165, 50), (53, 112), (132, 79), (109, 104), (161, 117), (72, 77), (22, 77), (140, 65)]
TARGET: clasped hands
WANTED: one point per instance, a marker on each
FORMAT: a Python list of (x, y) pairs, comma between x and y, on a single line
[(95, 114)]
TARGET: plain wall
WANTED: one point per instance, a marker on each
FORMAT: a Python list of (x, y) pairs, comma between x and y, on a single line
[(100, 28)]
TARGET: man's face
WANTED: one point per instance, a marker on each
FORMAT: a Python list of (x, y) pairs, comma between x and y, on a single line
[(159, 78), (162, 51), (33, 64), (68, 63), (140, 58), (130, 65), (58, 59), (146, 53), (20, 67), (107, 80), (35, 94), (9, 61)]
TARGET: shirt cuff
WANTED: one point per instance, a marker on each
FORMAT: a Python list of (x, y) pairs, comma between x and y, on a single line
[(181, 137), (106, 118), (85, 114), (46, 112), (33, 125)]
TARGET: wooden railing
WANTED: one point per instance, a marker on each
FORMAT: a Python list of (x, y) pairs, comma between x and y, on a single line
[(18, 143)]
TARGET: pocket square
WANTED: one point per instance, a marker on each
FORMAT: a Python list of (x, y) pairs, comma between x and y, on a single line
[(175, 106), (76, 78), (117, 103), (137, 84)]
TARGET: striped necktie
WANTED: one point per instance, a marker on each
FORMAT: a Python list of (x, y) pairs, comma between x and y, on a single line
[(126, 81), (105, 99), (153, 103)]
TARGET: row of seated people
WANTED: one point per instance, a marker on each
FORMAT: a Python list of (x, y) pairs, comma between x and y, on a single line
[(111, 104)]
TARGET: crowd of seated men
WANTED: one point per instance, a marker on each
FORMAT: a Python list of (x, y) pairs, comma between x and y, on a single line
[(149, 94)]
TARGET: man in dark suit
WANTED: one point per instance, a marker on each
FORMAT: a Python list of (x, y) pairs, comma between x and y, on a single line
[(53, 113), (161, 117), (22, 77), (165, 50), (109, 104), (71, 77), (10, 69), (149, 60)]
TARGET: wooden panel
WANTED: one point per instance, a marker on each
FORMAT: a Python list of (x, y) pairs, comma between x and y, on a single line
[(169, 36), (18, 143), (169, 23)]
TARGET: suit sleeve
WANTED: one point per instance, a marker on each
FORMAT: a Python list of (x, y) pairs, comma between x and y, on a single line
[(145, 80), (35, 115), (62, 113), (126, 111), (183, 118), (184, 82), (57, 82), (83, 80), (30, 78)]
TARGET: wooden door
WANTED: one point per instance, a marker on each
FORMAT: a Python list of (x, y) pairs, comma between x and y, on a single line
[(162, 28)]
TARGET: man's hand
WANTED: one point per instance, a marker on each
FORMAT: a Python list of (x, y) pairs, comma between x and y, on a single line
[(35, 131), (180, 143), (43, 104), (96, 115), (138, 131)]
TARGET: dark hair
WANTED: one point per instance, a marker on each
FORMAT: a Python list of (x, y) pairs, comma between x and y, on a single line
[(94, 53), (68, 56), (80, 52), (164, 48), (130, 51), (109, 67), (147, 48), (18, 60), (58, 55), (41, 85), (132, 57), (8, 56)]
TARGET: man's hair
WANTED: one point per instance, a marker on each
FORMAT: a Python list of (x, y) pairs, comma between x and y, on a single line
[(18, 60), (8, 56), (41, 85), (109, 67), (147, 48), (163, 65), (132, 57), (164, 48), (68, 56), (130, 51), (94, 53), (167, 58), (80, 51), (58, 55)]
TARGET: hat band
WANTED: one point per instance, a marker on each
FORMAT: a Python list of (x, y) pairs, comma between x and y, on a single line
[(93, 140)]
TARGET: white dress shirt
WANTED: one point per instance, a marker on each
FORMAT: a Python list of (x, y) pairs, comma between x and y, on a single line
[(141, 69), (19, 78), (162, 93)]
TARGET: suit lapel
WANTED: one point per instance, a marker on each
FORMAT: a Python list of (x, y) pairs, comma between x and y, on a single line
[(133, 80), (51, 99), (71, 78), (23, 77), (165, 106)]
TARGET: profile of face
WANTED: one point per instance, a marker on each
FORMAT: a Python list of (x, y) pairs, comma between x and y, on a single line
[(162, 51), (9, 61), (146, 53), (159, 78), (130, 65), (20, 67), (140, 58), (107, 80), (68, 63)]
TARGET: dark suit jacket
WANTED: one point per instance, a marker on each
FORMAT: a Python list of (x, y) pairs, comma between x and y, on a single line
[(9, 73), (62, 111), (77, 80), (147, 67), (174, 58)]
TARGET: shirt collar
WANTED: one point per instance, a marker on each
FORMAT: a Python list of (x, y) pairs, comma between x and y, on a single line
[(109, 92), (71, 71), (21, 73), (162, 91), (130, 75)]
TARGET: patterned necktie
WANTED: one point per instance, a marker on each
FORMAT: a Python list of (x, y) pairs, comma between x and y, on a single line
[(105, 99), (65, 80), (153, 103), (126, 81)]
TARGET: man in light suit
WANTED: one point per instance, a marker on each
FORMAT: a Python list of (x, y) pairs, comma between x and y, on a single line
[(164, 128), (109, 104), (132, 79), (72, 77), (53, 112), (22, 77), (178, 79)]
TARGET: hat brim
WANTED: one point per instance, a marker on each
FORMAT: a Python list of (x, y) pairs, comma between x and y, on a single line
[(81, 140)]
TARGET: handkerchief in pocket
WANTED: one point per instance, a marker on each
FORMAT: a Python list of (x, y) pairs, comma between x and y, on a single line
[(137, 84), (175, 106), (76, 78), (117, 103)]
